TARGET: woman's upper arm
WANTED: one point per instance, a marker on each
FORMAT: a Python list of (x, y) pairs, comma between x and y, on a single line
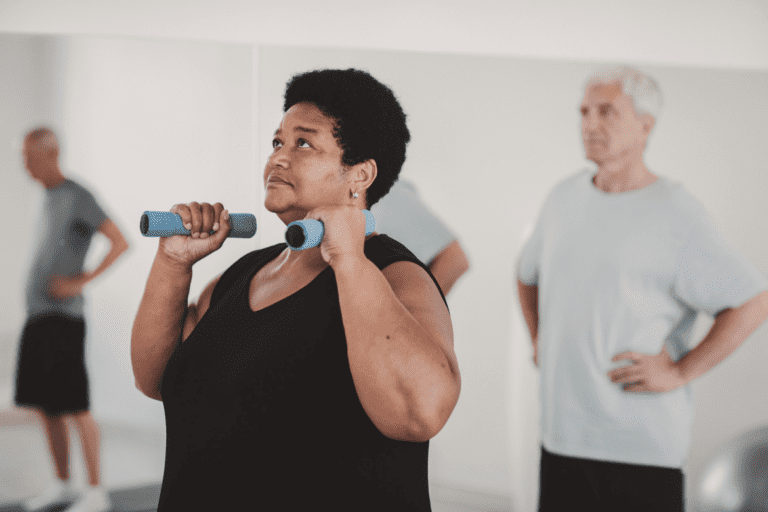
[(415, 289), (195, 311)]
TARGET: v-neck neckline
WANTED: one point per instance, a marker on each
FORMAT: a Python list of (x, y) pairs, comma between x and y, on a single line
[(247, 289), (251, 274)]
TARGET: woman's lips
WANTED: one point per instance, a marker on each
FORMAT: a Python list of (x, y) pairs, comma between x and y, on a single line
[(275, 181)]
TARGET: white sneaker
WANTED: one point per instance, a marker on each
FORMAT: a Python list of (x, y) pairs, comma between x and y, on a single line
[(56, 494), (95, 499)]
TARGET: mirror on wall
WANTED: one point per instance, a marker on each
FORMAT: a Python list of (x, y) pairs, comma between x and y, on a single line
[(143, 125), (490, 137)]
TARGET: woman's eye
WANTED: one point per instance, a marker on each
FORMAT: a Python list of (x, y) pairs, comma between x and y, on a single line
[(301, 143), (276, 143)]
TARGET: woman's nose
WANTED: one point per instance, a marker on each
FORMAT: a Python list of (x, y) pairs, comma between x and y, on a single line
[(279, 158)]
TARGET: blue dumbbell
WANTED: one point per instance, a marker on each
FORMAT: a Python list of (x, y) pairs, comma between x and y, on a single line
[(169, 224), (306, 233)]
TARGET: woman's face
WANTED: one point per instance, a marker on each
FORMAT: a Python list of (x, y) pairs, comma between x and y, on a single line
[(304, 170)]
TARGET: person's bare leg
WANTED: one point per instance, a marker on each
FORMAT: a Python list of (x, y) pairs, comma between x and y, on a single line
[(89, 438), (58, 442)]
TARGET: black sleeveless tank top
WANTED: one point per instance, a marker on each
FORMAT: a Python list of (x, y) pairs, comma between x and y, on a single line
[(262, 413)]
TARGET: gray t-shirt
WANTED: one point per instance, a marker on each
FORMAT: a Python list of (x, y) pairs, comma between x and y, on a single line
[(623, 272), (70, 216), (401, 215)]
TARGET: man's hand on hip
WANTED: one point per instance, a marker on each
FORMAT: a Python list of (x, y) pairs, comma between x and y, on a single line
[(62, 286), (649, 373)]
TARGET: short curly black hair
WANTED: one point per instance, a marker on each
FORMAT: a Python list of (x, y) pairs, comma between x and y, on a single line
[(369, 121)]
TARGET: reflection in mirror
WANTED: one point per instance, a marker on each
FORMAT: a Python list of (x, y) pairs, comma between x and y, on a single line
[(490, 138), (141, 125)]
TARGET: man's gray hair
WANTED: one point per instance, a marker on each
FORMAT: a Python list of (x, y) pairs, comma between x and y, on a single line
[(644, 91)]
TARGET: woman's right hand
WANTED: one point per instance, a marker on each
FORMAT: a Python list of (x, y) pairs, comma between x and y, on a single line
[(200, 219)]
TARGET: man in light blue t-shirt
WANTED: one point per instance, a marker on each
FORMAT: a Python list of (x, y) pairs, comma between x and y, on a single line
[(51, 377), (620, 263), (402, 215)]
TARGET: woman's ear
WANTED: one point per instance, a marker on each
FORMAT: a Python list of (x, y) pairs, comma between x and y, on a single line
[(364, 174)]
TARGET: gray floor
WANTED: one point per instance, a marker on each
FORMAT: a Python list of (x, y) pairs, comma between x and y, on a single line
[(129, 458), (138, 499), (131, 468), (144, 499)]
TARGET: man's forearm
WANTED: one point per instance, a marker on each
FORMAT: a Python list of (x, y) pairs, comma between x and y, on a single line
[(730, 329), (115, 251), (118, 246), (449, 265), (529, 302)]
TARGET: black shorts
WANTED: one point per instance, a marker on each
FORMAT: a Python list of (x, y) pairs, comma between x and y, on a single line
[(50, 371), (570, 483)]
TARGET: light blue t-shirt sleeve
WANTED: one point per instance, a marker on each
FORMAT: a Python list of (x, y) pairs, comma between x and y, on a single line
[(403, 216), (530, 257), (711, 275)]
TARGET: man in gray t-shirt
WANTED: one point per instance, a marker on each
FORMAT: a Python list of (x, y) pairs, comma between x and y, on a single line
[(51, 376), (402, 215), (620, 263), (70, 217)]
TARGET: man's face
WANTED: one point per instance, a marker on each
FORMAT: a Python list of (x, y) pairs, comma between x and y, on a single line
[(610, 128), (33, 158)]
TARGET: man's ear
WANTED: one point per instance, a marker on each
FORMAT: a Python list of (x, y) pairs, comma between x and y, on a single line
[(648, 123)]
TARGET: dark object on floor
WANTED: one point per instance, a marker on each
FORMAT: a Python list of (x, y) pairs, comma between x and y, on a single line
[(736, 478)]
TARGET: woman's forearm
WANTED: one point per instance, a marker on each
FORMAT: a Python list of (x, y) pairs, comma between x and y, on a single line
[(403, 378), (159, 322)]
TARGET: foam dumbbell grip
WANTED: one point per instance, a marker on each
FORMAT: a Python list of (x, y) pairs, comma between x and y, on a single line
[(306, 233), (170, 224)]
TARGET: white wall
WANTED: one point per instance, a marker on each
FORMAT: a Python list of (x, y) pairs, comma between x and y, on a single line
[(144, 125), (722, 33)]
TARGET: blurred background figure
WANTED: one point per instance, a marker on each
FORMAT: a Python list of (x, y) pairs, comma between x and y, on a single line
[(51, 377), (402, 215), (619, 265)]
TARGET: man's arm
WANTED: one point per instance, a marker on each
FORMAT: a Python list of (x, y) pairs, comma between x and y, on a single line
[(449, 265), (659, 373), (730, 329), (64, 286), (529, 302), (118, 247)]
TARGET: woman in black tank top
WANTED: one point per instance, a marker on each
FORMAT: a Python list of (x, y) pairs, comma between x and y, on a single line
[(303, 379)]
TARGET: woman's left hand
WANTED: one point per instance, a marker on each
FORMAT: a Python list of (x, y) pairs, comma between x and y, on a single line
[(344, 232)]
